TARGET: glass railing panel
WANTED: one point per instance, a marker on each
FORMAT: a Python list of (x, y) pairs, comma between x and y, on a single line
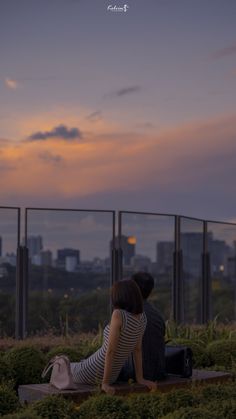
[(69, 270), (9, 238), (148, 244), (191, 245), (222, 249)]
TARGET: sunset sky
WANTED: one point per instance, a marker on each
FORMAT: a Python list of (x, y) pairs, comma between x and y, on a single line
[(130, 110)]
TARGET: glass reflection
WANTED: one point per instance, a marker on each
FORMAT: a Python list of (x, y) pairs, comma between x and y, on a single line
[(8, 250), (148, 243), (222, 248), (191, 244), (69, 270)]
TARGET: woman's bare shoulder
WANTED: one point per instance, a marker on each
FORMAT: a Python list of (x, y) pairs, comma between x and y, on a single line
[(116, 317)]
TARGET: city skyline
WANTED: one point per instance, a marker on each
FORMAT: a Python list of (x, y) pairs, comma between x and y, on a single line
[(131, 110), (70, 260)]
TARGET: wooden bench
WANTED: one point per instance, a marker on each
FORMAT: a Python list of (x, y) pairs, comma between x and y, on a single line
[(32, 392)]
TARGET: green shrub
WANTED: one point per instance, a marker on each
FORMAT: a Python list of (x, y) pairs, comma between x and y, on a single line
[(26, 363), (55, 407), (216, 368), (146, 406), (105, 407), (22, 414), (177, 399), (228, 409), (73, 354), (222, 352), (5, 370), (223, 408), (8, 400), (192, 413), (214, 392)]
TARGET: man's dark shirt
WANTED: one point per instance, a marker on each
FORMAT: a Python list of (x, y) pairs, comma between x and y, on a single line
[(153, 348)]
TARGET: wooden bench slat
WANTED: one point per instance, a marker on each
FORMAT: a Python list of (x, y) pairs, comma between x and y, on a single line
[(32, 392)]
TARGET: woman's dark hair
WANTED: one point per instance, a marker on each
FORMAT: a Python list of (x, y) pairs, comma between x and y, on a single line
[(126, 295), (145, 282)]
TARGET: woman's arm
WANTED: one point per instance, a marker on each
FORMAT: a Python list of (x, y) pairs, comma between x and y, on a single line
[(114, 334), (138, 365)]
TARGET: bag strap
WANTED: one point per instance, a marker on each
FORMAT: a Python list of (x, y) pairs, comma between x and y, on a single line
[(53, 361), (46, 369)]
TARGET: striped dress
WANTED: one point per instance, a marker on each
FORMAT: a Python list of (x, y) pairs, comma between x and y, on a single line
[(90, 370)]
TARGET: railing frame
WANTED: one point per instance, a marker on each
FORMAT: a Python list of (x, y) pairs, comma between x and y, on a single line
[(22, 275)]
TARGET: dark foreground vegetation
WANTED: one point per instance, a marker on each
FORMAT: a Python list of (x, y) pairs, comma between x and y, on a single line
[(214, 347)]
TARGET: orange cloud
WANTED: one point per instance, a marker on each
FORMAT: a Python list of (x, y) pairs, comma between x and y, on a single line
[(11, 84), (114, 162)]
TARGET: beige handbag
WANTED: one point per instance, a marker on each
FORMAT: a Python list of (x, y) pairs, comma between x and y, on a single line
[(61, 376)]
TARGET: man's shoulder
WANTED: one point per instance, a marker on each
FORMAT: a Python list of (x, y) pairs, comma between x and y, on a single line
[(152, 313), (148, 307)]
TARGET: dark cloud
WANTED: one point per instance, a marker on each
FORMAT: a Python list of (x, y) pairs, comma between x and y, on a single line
[(61, 131), (127, 91), (124, 91), (95, 116), (224, 52), (50, 158)]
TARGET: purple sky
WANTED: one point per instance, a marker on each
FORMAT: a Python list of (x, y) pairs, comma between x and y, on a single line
[(127, 110)]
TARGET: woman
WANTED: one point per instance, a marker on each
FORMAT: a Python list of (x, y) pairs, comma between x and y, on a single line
[(122, 337)]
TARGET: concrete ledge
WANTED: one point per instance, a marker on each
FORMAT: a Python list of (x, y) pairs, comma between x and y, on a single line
[(32, 392)]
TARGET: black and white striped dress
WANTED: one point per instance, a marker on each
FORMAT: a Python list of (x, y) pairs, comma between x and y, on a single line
[(90, 370)]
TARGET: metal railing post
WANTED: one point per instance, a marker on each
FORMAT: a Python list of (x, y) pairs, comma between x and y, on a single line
[(119, 248), (25, 290), (206, 279), (19, 294)]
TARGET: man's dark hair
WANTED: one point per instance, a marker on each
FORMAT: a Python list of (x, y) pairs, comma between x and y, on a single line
[(145, 282), (126, 295)]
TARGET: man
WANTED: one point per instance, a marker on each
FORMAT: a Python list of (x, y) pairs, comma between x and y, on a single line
[(153, 345)]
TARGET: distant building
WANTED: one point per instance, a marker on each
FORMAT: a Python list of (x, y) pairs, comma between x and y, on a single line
[(231, 268), (127, 244), (231, 264), (191, 244), (11, 259), (219, 253), (35, 245), (71, 262), (66, 258), (164, 256), (3, 272), (44, 258), (141, 263)]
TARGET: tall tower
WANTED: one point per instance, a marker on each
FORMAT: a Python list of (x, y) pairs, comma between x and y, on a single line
[(35, 245), (127, 244)]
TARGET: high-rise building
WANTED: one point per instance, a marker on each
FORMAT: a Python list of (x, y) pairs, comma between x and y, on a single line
[(127, 244), (164, 258), (35, 245), (191, 244), (46, 256), (66, 256), (219, 252)]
